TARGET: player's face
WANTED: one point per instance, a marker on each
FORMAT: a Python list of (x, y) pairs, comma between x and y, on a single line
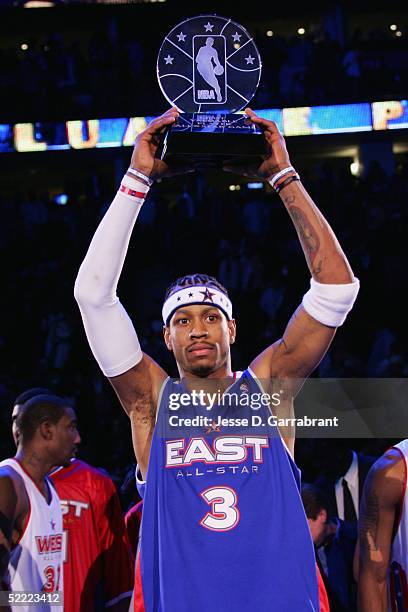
[(200, 338), (66, 438)]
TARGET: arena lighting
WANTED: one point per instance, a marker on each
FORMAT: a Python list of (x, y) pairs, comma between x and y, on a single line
[(255, 185), (122, 131), (398, 33), (118, 1), (50, 3), (355, 168), (61, 199), (24, 46), (38, 4), (269, 33), (301, 31), (393, 27)]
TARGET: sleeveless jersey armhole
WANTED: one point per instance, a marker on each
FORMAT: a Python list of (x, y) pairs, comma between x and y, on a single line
[(258, 382), (164, 383), (140, 483)]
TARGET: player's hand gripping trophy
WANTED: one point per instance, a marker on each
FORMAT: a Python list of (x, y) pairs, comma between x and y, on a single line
[(148, 142)]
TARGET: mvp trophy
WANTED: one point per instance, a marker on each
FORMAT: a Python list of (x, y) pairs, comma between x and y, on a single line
[(209, 67)]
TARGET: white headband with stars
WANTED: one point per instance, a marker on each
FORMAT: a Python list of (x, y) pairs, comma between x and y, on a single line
[(196, 294)]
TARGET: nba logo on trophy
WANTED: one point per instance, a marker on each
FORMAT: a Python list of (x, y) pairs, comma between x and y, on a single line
[(209, 64), (209, 68), (209, 75)]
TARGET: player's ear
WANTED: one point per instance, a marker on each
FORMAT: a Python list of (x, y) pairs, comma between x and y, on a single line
[(46, 430), (322, 516), (232, 330), (167, 339)]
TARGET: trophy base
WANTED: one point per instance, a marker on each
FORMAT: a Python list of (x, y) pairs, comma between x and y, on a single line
[(210, 139)]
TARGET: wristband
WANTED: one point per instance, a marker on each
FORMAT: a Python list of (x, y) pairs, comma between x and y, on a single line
[(286, 182), (133, 189), (330, 304), (140, 175), (137, 196), (134, 183), (275, 177)]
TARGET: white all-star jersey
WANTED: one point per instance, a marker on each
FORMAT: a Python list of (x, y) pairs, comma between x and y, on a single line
[(35, 564)]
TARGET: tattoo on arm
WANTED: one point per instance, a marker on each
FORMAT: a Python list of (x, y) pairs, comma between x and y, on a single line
[(317, 268), (308, 236), (369, 522)]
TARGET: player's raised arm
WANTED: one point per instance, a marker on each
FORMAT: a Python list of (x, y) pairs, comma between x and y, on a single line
[(333, 285), (135, 377), (383, 491)]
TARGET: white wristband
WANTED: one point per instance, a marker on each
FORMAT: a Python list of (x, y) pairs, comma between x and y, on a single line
[(272, 180), (133, 189), (134, 183), (330, 304), (140, 175)]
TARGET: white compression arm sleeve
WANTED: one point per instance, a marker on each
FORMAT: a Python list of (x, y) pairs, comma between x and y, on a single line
[(108, 327), (330, 304)]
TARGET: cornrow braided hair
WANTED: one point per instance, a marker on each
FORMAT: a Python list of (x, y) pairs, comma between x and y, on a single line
[(195, 279)]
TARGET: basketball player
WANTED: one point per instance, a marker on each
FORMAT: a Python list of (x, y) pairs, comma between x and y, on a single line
[(223, 524), (97, 568), (31, 536), (18, 403), (383, 534), (209, 71)]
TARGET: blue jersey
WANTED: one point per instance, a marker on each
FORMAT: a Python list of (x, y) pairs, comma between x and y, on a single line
[(223, 524)]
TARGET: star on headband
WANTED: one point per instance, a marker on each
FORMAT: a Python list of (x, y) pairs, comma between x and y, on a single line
[(207, 295)]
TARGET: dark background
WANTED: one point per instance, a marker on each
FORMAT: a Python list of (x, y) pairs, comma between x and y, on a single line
[(86, 61)]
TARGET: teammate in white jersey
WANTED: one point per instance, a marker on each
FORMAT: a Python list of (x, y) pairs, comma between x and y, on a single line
[(31, 535), (383, 534)]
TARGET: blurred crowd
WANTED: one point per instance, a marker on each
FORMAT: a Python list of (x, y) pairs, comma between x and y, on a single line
[(316, 69), (111, 72), (243, 237)]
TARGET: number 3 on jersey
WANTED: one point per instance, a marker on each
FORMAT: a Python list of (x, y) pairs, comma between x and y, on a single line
[(53, 579), (224, 514)]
